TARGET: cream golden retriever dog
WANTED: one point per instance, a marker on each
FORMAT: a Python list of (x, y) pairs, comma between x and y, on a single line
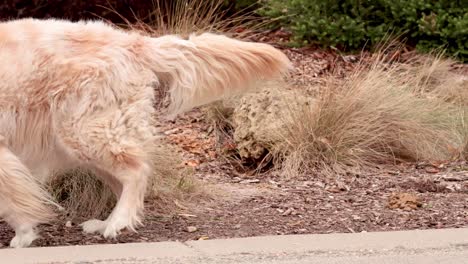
[(84, 94)]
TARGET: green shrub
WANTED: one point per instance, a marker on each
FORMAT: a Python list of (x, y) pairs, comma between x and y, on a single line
[(350, 24)]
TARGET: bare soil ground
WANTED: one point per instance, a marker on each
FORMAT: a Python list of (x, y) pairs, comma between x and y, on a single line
[(399, 197)]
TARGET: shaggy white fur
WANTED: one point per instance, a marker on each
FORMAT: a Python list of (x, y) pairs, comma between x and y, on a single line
[(85, 94)]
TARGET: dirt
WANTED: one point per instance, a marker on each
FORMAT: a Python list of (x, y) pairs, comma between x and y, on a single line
[(385, 198)]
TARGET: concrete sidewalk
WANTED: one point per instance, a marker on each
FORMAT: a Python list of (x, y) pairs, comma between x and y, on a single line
[(419, 246)]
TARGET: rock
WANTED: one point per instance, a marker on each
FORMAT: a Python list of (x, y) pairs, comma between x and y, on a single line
[(178, 204), (250, 181), (238, 226), (288, 212), (320, 184), (274, 183), (193, 163), (454, 187), (172, 131), (356, 217), (68, 224), (236, 179), (342, 186), (431, 170), (191, 229), (259, 118), (455, 177), (187, 215), (333, 189)]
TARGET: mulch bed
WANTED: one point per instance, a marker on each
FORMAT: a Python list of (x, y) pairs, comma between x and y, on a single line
[(397, 198)]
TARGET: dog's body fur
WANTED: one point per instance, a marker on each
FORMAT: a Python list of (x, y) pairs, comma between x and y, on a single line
[(85, 94)]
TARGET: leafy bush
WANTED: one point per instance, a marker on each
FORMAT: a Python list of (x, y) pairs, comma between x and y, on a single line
[(242, 4), (350, 24)]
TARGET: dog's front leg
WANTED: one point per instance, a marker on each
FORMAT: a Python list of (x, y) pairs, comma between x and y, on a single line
[(115, 144), (127, 213)]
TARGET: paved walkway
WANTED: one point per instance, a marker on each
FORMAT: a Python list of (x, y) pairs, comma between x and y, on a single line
[(448, 246)]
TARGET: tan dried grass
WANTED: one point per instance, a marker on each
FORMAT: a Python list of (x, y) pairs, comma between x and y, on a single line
[(374, 116), (433, 75), (195, 16), (172, 184)]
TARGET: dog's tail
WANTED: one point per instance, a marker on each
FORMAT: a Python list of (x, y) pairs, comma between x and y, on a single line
[(204, 68), (23, 201)]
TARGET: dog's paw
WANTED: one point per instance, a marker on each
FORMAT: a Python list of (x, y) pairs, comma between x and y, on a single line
[(94, 226), (111, 232), (111, 227), (115, 226), (23, 239)]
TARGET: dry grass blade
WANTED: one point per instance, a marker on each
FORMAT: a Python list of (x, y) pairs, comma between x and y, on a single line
[(464, 133), (220, 115), (83, 194), (434, 76), (184, 17), (172, 181)]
